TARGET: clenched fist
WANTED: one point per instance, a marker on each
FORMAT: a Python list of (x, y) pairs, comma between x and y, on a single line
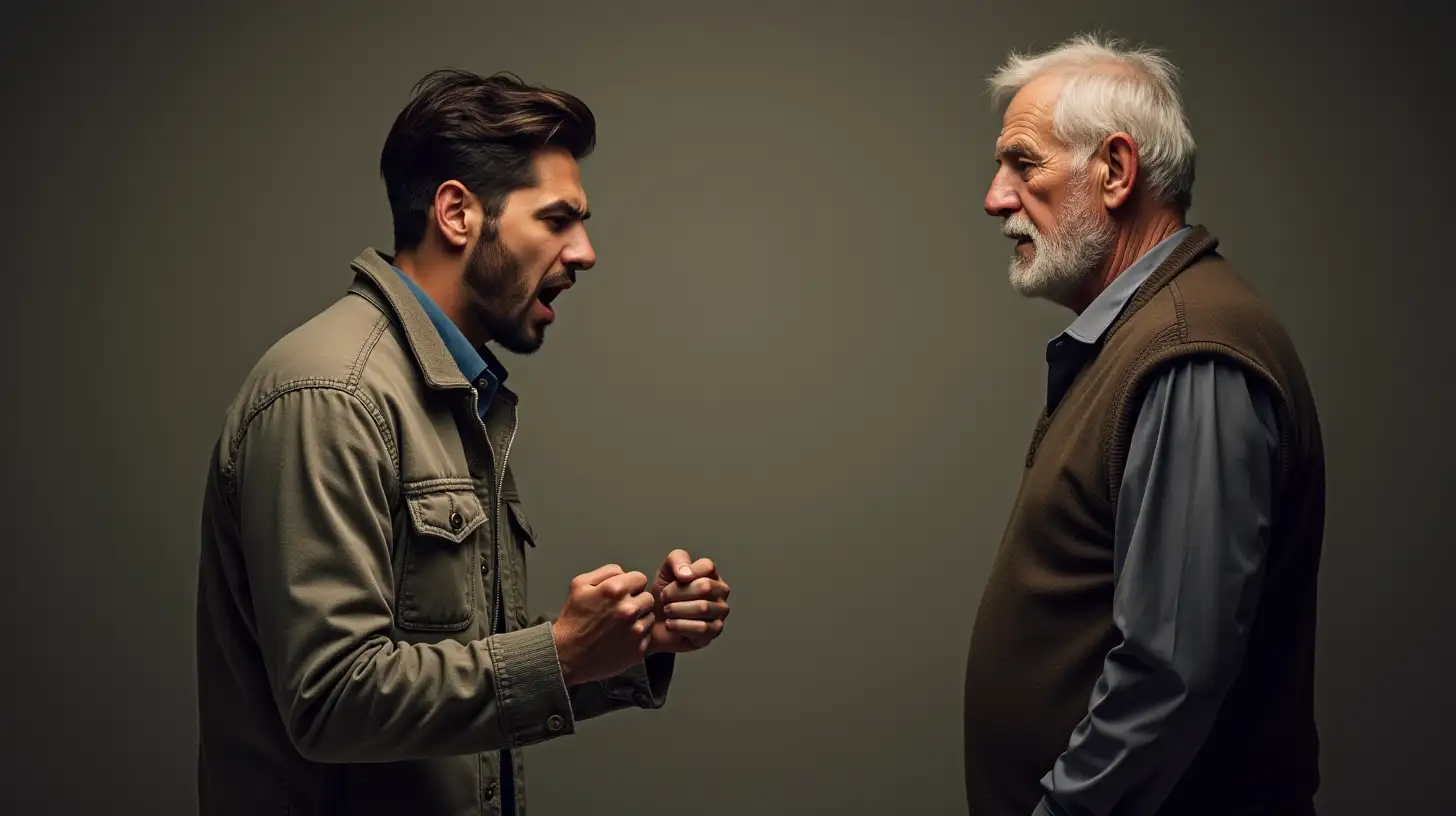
[(691, 604), (605, 625)]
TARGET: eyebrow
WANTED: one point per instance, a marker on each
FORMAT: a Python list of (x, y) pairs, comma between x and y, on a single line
[(565, 208), (1014, 151)]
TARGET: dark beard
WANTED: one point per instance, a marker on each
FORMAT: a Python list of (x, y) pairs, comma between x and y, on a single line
[(499, 297)]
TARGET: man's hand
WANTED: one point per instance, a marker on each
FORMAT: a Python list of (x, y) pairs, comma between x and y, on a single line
[(604, 626), (691, 604)]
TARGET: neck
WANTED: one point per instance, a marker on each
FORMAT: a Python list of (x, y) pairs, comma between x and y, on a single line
[(442, 277), (1135, 238)]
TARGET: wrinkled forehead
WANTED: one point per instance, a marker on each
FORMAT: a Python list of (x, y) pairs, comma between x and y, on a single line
[(1026, 126)]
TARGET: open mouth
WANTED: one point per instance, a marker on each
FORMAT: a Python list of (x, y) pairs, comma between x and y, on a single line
[(552, 291)]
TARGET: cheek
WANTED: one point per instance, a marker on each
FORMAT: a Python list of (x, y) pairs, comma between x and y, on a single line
[(1044, 204), (1041, 214), (536, 263)]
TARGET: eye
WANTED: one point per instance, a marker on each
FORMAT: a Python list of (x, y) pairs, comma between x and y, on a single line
[(558, 223)]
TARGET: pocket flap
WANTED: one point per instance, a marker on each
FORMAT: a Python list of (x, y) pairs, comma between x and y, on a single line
[(518, 513), (451, 513)]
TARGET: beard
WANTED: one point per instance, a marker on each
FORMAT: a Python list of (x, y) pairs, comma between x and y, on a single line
[(1063, 259), (500, 298)]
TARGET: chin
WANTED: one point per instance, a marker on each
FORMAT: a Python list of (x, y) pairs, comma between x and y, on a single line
[(1034, 280), (525, 341)]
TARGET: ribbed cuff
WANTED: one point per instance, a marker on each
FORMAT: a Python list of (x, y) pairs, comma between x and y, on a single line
[(644, 684), (533, 699)]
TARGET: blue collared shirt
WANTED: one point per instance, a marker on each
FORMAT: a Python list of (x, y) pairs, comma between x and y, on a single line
[(1191, 527), (476, 363)]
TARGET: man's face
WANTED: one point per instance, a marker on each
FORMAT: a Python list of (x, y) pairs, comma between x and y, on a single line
[(531, 254), (1046, 202)]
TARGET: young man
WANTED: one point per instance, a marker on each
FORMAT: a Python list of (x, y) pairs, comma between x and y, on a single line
[(363, 642), (1145, 642)]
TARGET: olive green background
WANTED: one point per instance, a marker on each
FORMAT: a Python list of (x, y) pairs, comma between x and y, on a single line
[(798, 355)]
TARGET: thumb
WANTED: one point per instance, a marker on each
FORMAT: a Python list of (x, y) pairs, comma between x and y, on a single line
[(678, 566)]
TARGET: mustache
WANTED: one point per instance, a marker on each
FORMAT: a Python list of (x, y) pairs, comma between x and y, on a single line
[(566, 277), (1019, 226)]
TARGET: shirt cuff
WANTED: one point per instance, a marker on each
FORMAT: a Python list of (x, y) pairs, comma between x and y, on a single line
[(529, 688)]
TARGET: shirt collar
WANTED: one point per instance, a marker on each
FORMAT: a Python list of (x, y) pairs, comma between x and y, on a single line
[(477, 363), (1094, 321), (1069, 351)]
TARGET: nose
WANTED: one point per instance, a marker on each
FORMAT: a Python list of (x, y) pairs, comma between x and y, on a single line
[(579, 254), (1001, 198)]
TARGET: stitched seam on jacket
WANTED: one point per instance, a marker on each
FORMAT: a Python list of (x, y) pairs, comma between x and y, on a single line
[(317, 383)]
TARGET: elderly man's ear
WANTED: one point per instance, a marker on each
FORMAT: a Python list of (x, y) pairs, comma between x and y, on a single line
[(1119, 157)]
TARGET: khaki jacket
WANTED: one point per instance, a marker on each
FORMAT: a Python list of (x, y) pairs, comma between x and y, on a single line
[(359, 524)]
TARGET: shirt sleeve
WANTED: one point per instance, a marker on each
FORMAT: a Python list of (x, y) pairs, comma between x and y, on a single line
[(1192, 528)]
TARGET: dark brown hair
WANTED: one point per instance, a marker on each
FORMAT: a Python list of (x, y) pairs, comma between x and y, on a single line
[(480, 131)]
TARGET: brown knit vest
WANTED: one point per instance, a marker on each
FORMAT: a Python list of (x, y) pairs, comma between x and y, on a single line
[(1045, 620)]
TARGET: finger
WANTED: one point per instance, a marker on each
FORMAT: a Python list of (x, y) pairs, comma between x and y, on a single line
[(678, 566), (695, 628), (620, 586), (596, 576), (643, 624), (704, 568), (696, 610), (702, 588), (642, 603)]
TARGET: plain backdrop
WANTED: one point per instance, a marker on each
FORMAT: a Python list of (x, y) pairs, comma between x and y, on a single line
[(798, 355)]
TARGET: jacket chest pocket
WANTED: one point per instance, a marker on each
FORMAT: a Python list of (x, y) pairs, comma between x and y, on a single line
[(438, 581)]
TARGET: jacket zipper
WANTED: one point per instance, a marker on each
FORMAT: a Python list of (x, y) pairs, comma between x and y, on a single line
[(495, 521), (500, 485)]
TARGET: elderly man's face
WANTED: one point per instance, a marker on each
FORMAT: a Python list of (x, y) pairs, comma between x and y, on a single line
[(1047, 204)]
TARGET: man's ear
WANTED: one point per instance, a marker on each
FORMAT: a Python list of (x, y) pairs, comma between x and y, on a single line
[(1120, 154), (453, 204)]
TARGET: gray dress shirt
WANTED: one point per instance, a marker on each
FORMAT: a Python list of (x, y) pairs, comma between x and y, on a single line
[(1192, 525)]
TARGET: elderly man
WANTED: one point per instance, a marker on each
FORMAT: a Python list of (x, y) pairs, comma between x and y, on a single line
[(1145, 642)]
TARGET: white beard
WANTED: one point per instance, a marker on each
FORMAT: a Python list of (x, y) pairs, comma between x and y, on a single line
[(1061, 260)]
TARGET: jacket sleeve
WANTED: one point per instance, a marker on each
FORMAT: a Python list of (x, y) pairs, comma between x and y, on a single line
[(644, 685), (314, 482)]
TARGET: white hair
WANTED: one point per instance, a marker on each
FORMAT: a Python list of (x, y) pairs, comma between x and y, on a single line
[(1110, 88)]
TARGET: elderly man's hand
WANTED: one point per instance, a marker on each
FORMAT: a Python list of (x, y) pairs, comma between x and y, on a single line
[(692, 604)]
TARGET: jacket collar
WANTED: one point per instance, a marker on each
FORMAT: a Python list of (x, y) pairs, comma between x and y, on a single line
[(375, 278)]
